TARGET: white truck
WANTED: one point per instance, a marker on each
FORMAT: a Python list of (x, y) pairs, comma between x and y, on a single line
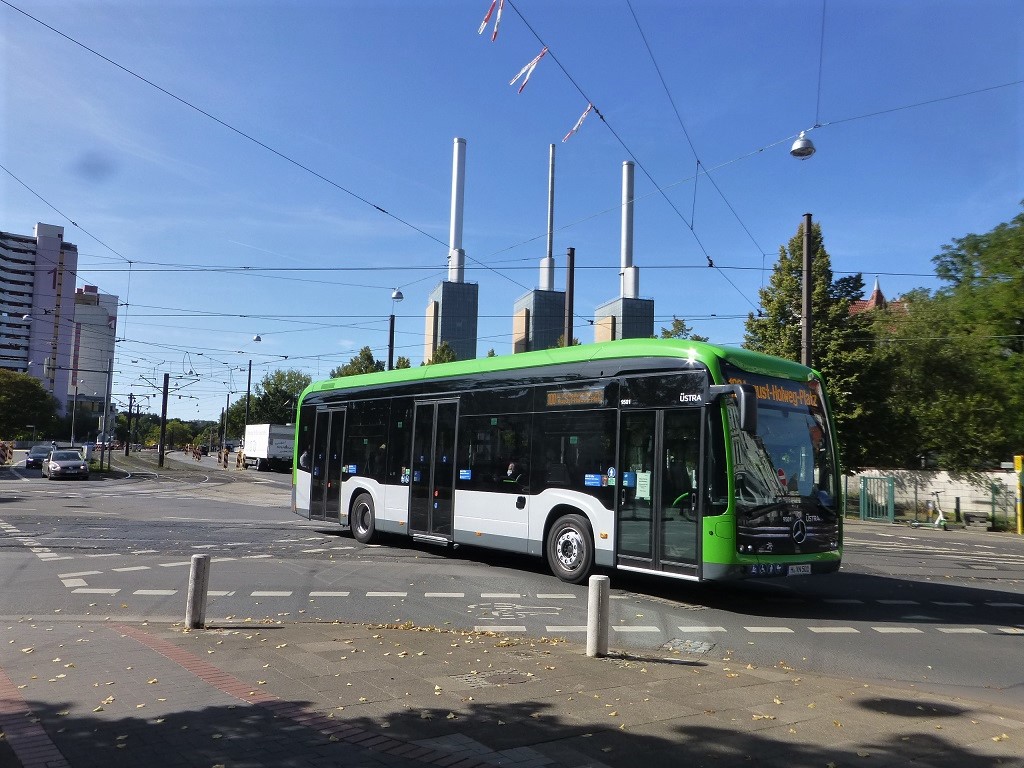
[(269, 446)]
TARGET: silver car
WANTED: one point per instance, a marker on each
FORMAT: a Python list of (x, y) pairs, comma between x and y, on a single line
[(65, 464)]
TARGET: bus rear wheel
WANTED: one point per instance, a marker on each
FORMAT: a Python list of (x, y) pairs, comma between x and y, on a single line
[(570, 549), (363, 522)]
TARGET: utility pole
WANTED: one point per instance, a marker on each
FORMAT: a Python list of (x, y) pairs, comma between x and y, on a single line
[(128, 438), (163, 421), (570, 266), (248, 386), (805, 315), (227, 405)]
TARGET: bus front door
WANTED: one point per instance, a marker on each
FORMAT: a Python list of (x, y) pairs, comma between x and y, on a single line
[(325, 490), (432, 484), (658, 512)]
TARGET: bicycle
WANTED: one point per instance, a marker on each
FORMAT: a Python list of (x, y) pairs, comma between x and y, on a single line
[(933, 506)]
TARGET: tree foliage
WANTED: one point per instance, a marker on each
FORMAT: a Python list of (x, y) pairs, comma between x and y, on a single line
[(24, 401), (402, 362), (275, 399), (842, 343), (680, 330), (957, 356), (934, 378), (443, 354), (363, 362)]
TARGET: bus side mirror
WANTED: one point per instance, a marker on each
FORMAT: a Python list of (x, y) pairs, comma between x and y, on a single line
[(746, 399)]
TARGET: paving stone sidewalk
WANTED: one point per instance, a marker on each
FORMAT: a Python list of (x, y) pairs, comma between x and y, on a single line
[(79, 692)]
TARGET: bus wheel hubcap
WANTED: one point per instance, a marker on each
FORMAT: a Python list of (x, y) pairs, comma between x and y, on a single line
[(569, 549)]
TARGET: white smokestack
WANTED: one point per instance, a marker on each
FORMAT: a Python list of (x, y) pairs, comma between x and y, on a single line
[(547, 264), (456, 256), (630, 287)]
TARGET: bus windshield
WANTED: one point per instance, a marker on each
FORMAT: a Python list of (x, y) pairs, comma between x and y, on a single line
[(786, 495)]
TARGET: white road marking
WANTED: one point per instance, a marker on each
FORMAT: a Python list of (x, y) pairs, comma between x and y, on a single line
[(386, 594), (268, 593), (155, 592), (78, 575), (699, 629), (132, 568), (74, 582), (328, 594), (500, 594), (444, 594), (500, 628), (962, 631), (92, 591), (635, 629), (776, 630), (835, 630), (565, 629), (556, 596), (897, 630)]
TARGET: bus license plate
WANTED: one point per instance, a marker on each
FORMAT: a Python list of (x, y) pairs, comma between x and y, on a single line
[(799, 570)]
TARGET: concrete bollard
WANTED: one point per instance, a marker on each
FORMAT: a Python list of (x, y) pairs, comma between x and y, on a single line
[(597, 616), (198, 586)]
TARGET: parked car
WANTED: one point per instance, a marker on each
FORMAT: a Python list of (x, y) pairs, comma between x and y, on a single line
[(36, 456), (65, 464)]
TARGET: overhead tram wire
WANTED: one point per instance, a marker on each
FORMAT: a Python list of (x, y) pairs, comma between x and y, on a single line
[(689, 140), (249, 137), (622, 143), (67, 218)]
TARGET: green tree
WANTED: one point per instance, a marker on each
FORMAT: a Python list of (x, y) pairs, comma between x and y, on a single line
[(403, 362), (842, 343), (561, 342), (957, 356), (680, 330), (24, 401), (277, 397), (363, 362), (443, 354)]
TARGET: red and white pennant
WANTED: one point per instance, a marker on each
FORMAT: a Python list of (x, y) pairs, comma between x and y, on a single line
[(497, 21), (528, 70), (587, 111)]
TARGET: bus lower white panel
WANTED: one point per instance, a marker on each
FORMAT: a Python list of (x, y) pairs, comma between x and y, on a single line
[(395, 517), (303, 483), (491, 520)]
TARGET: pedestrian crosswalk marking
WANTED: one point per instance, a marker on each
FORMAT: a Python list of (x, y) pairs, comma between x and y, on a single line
[(835, 630), (897, 630)]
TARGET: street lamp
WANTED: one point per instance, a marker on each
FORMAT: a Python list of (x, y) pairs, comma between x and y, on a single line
[(803, 147), (396, 296)]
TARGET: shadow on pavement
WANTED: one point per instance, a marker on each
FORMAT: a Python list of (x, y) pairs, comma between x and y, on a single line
[(526, 732)]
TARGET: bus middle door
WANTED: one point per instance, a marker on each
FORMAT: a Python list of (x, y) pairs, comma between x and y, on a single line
[(328, 439), (432, 484), (657, 509)]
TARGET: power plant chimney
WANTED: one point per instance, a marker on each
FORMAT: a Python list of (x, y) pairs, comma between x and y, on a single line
[(547, 264), (630, 288), (457, 256)]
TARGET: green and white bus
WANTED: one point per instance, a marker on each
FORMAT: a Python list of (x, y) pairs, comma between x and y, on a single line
[(662, 456)]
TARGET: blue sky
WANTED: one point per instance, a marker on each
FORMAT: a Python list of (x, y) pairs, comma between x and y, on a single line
[(369, 95)]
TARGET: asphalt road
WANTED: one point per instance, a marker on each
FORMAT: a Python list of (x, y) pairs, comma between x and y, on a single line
[(943, 610)]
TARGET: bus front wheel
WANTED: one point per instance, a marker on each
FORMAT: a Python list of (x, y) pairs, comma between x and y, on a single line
[(570, 549), (363, 523)]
